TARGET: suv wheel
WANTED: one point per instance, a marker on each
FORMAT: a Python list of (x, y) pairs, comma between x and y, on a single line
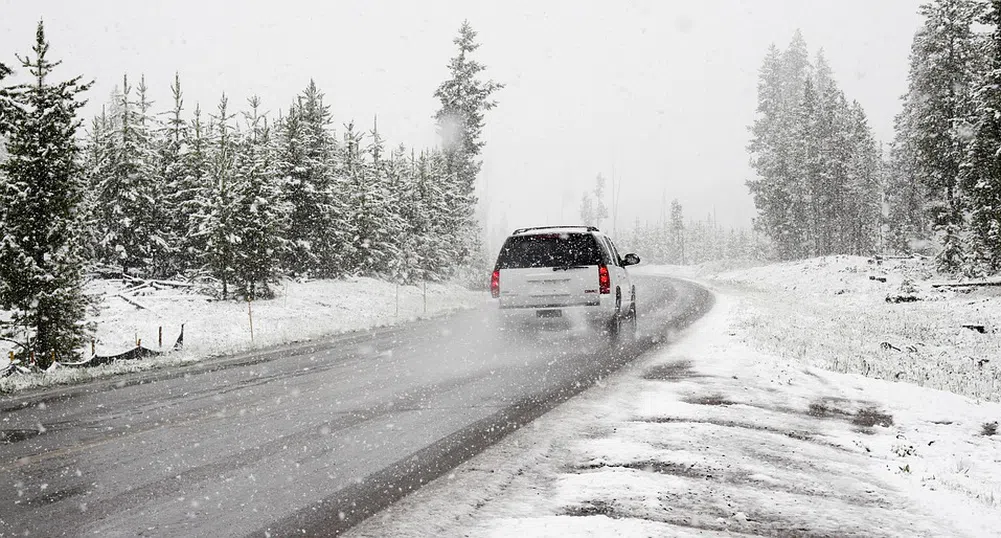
[(615, 327), (615, 322), (633, 321)]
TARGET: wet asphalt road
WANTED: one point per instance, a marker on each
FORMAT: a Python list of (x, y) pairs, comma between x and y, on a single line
[(309, 439)]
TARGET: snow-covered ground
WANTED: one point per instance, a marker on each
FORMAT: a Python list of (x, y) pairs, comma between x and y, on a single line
[(727, 433), (302, 311), (833, 313)]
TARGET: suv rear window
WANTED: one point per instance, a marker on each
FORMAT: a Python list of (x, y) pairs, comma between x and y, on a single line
[(549, 250)]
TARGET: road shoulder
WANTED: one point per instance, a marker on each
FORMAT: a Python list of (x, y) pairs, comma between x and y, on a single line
[(711, 437)]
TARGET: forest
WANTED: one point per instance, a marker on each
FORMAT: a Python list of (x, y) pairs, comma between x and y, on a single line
[(824, 185), (229, 196)]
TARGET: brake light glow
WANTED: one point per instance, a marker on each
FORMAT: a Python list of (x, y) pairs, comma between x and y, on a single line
[(604, 281), (495, 284)]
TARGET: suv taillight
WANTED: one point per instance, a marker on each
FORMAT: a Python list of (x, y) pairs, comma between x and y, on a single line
[(495, 284), (604, 281)]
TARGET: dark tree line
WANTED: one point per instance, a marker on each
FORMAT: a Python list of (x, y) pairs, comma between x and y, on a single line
[(234, 194), (944, 185)]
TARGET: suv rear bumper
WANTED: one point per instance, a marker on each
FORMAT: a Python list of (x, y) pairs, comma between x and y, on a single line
[(558, 316)]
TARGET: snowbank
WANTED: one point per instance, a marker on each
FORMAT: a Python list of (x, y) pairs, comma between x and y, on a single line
[(302, 311)]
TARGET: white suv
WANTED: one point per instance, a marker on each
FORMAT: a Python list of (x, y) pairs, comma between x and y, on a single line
[(566, 274)]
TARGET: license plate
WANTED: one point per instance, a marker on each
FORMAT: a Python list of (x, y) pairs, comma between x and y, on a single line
[(549, 313)]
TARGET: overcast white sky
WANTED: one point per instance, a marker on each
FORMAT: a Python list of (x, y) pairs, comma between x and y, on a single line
[(658, 92)]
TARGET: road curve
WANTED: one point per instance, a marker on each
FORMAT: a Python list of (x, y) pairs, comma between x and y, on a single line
[(308, 439)]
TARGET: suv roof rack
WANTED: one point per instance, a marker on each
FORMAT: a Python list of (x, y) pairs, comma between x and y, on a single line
[(523, 230)]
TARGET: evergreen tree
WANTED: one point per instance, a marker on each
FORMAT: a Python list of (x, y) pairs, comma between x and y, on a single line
[(259, 215), (831, 207), (903, 192), (313, 188), (464, 98), (860, 200), (804, 185), (374, 220), (131, 232), (940, 113), (818, 174), (180, 189), (772, 189), (435, 248), (405, 198), (192, 195), (41, 192), (160, 242), (799, 145), (216, 223), (982, 180), (359, 181), (97, 146)]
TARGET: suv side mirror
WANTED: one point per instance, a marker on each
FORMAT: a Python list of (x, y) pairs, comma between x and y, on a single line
[(630, 259)]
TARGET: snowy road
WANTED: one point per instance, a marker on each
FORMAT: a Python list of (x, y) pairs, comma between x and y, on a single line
[(313, 438)]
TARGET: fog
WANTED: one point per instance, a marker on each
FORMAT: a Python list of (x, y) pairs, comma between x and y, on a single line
[(657, 95)]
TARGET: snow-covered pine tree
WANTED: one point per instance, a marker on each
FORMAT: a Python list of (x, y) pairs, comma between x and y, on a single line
[(458, 221), (464, 98), (41, 191), (129, 222), (903, 192), (771, 157), (436, 248), (259, 214), (196, 184), (297, 191), (180, 189), (216, 222), (416, 211), (312, 186), (861, 216), (982, 178), (296, 194), (803, 185), (798, 146), (160, 246), (805, 145), (376, 221), (940, 113), (405, 198), (360, 186), (96, 146), (828, 189)]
